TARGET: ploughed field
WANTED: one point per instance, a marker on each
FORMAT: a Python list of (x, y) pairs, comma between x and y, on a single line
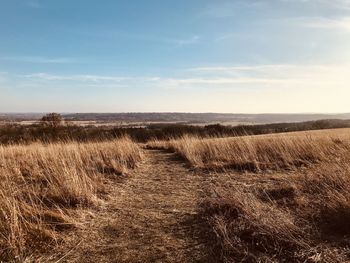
[(267, 198)]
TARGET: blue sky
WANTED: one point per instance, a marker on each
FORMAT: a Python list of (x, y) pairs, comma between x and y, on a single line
[(253, 56)]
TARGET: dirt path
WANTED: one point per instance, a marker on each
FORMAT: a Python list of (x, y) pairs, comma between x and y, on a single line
[(150, 217)]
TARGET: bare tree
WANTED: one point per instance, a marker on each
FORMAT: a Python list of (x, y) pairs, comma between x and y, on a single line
[(52, 119)]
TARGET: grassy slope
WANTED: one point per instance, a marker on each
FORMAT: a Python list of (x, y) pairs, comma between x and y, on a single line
[(282, 198), (41, 185), (288, 200)]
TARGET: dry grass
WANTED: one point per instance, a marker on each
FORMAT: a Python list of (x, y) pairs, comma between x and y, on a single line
[(41, 184), (288, 214), (285, 198), (303, 218), (255, 153)]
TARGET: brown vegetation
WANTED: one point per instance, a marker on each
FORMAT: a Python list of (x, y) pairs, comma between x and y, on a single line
[(41, 184), (267, 198), (52, 119), (290, 214), (255, 153), (299, 218), (52, 129)]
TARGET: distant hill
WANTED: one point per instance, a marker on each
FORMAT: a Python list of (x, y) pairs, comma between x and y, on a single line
[(182, 117), (203, 117), (21, 116)]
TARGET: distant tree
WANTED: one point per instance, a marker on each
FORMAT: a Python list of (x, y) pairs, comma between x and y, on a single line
[(52, 119)]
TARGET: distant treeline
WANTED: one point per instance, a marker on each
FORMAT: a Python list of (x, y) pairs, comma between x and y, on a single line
[(178, 117), (15, 133)]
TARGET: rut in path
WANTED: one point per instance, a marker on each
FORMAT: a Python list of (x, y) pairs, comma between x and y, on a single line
[(150, 217)]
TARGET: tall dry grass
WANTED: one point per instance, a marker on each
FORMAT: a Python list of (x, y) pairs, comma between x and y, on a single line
[(40, 184), (285, 151), (299, 216), (305, 218)]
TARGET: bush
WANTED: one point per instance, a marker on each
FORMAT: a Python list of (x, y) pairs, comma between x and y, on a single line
[(52, 120)]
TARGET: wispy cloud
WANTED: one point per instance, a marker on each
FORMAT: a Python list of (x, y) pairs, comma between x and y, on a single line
[(339, 23), (272, 68), (214, 81), (137, 36), (225, 9), (238, 76), (243, 68), (227, 36), (339, 4), (39, 60), (284, 75), (34, 4), (82, 78), (159, 39), (239, 88), (188, 41), (159, 81)]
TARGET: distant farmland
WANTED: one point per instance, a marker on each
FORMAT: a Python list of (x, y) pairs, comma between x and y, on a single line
[(182, 117)]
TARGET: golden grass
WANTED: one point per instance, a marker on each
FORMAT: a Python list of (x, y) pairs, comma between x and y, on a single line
[(256, 153), (40, 183), (299, 216), (304, 218)]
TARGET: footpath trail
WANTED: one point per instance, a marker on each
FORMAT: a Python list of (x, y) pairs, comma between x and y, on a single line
[(150, 217)]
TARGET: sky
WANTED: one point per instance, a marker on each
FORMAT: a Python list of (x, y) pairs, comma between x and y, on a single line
[(238, 56)]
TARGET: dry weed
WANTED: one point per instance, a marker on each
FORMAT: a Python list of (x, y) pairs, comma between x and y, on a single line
[(40, 183)]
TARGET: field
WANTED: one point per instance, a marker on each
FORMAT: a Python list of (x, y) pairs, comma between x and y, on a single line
[(288, 200), (264, 198), (41, 185), (263, 152)]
